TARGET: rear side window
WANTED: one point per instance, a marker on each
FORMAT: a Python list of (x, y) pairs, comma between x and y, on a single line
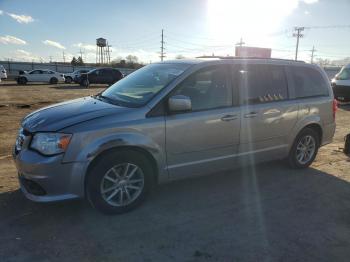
[(262, 83), (308, 82)]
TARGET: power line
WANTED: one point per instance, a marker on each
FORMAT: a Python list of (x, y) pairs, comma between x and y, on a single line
[(298, 35)]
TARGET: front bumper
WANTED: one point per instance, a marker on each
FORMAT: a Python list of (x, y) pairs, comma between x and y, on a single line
[(46, 179), (341, 93)]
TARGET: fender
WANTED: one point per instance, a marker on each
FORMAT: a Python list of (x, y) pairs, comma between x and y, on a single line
[(305, 121), (95, 147)]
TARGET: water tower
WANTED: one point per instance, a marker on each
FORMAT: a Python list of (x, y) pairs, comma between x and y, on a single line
[(102, 51)]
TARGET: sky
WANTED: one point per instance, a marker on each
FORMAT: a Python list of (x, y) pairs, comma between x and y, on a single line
[(43, 30)]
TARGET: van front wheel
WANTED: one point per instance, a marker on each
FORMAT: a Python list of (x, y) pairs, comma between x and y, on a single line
[(118, 182), (304, 149)]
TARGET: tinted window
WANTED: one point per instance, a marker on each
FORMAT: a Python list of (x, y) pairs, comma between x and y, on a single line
[(105, 72), (262, 83), (208, 88), (117, 74), (308, 82), (36, 72)]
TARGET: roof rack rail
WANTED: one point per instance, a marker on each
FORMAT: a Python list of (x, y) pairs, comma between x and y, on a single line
[(243, 57)]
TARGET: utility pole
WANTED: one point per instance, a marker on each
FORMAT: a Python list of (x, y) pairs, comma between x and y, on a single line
[(240, 43), (109, 53), (162, 54), (64, 58), (50, 58), (298, 35), (313, 54), (81, 54)]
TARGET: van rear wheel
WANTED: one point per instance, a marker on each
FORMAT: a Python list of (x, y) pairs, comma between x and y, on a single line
[(304, 149), (119, 181)]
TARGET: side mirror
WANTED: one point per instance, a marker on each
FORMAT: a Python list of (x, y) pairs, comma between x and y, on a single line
[(179, 103)]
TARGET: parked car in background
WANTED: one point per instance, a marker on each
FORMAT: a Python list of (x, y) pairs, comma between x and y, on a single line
[(72, 77), (3, 74), (40, 75), (100, 76), (341, 84), (172, 120)]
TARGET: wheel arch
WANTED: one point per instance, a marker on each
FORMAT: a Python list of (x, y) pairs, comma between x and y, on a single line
[(316, 127), (129, 148)]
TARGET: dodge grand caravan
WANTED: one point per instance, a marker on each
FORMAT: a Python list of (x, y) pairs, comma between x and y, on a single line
[(170, 120)]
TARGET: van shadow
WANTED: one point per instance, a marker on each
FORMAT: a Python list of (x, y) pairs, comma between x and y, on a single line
[(264, 212)]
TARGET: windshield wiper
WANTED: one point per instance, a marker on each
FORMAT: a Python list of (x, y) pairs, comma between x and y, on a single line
[(107, 99)]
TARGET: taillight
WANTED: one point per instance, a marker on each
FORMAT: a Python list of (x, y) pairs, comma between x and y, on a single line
[(335, 107)]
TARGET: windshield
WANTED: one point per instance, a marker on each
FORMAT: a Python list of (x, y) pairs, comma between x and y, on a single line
[(344, 74), (142, 85)]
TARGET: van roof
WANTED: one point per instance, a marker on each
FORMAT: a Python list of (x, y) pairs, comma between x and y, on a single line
[(203, 59)]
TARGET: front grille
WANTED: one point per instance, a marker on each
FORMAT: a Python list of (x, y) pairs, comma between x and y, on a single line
[(342, 92), (32, 187)]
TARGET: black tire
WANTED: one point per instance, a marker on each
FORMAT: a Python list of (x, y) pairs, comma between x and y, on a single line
[(101, 168), (53, 81), (22, 81), (293, 154), (68, 80), (85, 83)]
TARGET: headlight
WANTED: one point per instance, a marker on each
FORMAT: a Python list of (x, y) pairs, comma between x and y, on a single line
[(50, 143)]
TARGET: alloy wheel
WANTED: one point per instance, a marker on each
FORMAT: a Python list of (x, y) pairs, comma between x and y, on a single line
[(122, 184), (305, 149)]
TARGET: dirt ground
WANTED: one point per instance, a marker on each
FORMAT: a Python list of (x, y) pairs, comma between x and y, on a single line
[(263, 213)]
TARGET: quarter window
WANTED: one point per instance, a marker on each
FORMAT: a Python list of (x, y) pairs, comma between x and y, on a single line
[(262, 83), (308, 82), (208, 88)]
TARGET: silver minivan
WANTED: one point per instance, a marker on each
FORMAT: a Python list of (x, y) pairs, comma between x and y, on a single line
[(172, 120)]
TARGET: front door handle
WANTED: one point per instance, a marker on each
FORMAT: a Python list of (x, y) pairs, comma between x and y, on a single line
[(250, 115), (229, 117)]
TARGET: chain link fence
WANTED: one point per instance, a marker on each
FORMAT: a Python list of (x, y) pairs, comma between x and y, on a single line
[(13, 68)]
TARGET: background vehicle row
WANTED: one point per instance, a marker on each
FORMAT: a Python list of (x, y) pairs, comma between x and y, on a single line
[(83, 77)]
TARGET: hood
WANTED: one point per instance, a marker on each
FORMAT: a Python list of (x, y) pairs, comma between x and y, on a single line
[(59, 116)]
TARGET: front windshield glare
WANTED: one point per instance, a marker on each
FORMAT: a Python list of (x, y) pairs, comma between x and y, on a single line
[(139, 87)]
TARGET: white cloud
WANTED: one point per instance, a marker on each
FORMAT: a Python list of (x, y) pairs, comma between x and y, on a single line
[(8, 39), (1, 12), (22, 19), (54, 44), (306, 12), (23, 55), (87, 47)]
